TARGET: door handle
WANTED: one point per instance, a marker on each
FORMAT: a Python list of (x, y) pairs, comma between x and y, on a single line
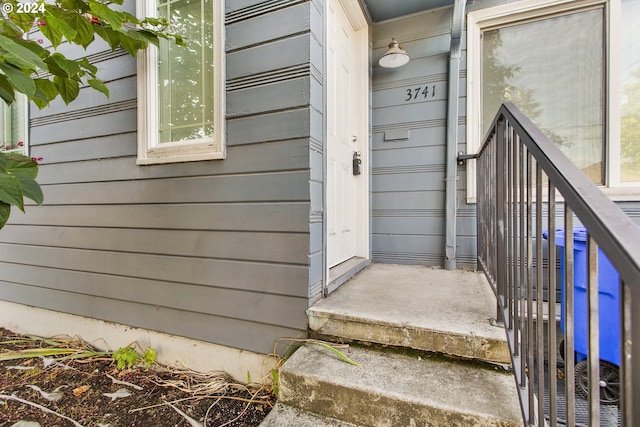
[(357, 161)]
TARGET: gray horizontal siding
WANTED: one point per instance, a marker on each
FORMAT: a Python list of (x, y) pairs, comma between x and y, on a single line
[(206, 327), (270, 247), (409, 146), (281, 187), (218, 250), (281, 217), (258, 158)]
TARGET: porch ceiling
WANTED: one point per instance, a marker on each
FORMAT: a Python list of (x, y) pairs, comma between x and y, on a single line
[(381, 10)]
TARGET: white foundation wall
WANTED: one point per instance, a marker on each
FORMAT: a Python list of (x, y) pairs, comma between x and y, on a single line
[(107, 336)]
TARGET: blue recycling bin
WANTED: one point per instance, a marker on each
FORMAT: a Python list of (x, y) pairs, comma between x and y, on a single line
[(608, 298)]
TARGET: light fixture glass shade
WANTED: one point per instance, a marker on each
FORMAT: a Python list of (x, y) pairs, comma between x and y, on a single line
[(394, 57)]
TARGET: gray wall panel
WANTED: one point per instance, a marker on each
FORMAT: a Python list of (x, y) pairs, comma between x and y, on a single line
[(269, 127), (285, 217), (276, 96), (284, 186), (409, 129), (274, 25), (231, 303), (409, 182), (409, 200), (99, 123), (251, 246), (104, 147), (274, 156), (268, 57), (232, 237), (258, 337), (250, 276)]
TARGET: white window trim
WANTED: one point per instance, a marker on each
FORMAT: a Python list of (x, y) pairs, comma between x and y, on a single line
[(480, 20), (149, 150)]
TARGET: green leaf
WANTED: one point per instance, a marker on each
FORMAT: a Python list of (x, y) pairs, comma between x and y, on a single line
[(113, 17), (88, 66), (12, 29), (61, 66), (149, 37), (68, 88), (20, 55), (14, 162), (84, 29), (11, 190), (5, 211), (18, 79), (51, 32), (131, 42), (30, 188), (40, 100), (110, 36), (99, 86), (6, 90), (24, 21), (55, 20), (74, 5), (47, 88)]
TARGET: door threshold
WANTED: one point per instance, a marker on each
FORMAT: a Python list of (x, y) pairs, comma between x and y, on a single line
[(345, 271)]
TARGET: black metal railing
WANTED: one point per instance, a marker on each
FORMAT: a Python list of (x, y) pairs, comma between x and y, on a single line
[(545, 273)]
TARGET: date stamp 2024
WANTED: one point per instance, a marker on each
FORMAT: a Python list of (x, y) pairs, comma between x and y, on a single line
[(19, 7)]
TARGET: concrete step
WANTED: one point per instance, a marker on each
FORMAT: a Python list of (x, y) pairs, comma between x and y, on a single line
[(287, 416), (394, 389), (417, 307)]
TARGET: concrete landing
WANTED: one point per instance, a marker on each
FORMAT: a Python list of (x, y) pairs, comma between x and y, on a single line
[(417, 307), (393, 389)]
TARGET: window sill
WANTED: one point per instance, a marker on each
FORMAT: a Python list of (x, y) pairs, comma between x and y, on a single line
[(175, 153), (622, 194)]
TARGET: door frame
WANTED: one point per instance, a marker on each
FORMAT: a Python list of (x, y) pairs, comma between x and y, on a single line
[(359, 22)]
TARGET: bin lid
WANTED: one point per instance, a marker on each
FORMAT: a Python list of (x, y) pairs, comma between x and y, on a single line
[(579, 234)]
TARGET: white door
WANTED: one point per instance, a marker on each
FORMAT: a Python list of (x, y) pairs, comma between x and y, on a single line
[(341, 136)]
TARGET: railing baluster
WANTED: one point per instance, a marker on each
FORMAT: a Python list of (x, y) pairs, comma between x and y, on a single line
[(510, 234), (522, 281), (501, 254), (569, 349), (529, 284), (553, 360), (539, 297), (593, 332)]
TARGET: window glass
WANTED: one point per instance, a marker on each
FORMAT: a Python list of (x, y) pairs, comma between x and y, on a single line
[(185, 74), (630, 96), (552, 69), (13, 122)]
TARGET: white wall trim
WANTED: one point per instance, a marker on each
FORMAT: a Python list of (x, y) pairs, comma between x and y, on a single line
[(197, 355), (149, 151)]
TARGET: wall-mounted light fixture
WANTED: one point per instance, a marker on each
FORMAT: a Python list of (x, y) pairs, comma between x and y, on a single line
[(395, 56)]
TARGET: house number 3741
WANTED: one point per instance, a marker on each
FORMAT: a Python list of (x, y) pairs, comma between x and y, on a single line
[(422, 92)]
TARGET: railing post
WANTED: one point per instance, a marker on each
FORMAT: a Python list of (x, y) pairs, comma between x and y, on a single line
[(501, 210)]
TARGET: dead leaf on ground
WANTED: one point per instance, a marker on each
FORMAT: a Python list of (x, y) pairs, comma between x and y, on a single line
[(79, 390)]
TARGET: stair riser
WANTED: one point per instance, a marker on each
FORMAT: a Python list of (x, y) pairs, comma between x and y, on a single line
[(465, 346), (367, 409)]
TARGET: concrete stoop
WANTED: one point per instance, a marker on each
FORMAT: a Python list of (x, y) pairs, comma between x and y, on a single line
[(433, 329), (391, 389), (416, 307)]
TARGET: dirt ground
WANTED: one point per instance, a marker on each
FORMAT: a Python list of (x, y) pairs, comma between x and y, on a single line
[(79, 388)]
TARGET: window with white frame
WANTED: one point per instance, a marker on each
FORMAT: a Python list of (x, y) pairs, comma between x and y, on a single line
[(181, 88), (14, 126), (573, 67)]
